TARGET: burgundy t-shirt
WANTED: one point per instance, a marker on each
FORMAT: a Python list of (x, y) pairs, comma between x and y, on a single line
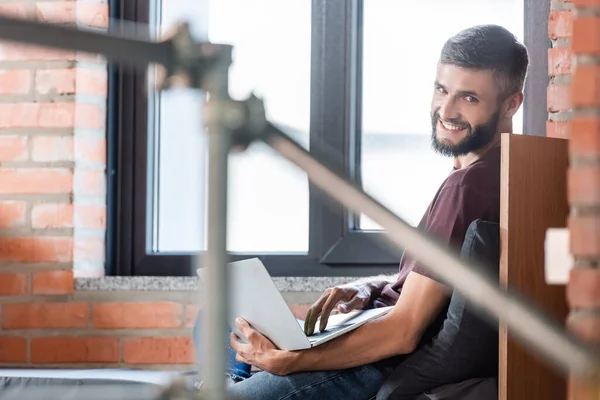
[(465, 195)]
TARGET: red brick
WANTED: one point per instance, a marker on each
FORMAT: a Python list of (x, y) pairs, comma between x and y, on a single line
[(10, 51), (89, 249), (13, 148), (585, 87), (48, 216), (158, 350), (90, 216), (584, 137), (137, 315), (56, 12), (35, 181), (51, 115), (15, 81), (586, 35), (585, 325), (57, 81), (56, 115), (37, 115), (66, 215), (13, 284), (93, 14), (584, 185), (53, 282), (14, 10), (90, 149), (12, 213), (45, 315), (585, 3), (74, 350), (558, 130), (13, 349), (559, 61), (36, 249), (560, 24), (90, 116), (585, 236), (583, 289), (90, 183), (52, 148), (559, 97), (92, 81)]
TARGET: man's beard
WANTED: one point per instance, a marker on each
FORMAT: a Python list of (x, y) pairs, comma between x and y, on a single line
[(477, 137)]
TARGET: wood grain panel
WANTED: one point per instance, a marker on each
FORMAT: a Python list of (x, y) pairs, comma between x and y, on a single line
[(533, 199)]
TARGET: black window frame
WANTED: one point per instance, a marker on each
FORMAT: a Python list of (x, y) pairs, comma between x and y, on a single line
[(336, 247)]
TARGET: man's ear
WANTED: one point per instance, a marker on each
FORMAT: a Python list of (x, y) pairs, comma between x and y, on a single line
[(512, 104)]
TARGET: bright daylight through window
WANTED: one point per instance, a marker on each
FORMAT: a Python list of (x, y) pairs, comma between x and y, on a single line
[(269, 198)]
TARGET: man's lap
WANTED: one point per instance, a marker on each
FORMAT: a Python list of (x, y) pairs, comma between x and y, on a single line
[(360, 383)]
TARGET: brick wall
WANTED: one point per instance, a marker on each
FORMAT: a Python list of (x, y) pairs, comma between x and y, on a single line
[(574, 110), (559, 69)]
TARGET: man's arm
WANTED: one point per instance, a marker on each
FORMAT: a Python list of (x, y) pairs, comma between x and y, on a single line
[(396, 333)]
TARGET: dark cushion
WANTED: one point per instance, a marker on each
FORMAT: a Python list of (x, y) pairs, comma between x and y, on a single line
[(466, 346)]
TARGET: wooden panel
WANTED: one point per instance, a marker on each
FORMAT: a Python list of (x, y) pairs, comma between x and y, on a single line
[(533, 199)]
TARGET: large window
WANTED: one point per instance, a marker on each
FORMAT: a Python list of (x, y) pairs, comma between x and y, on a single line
[(347, 79)]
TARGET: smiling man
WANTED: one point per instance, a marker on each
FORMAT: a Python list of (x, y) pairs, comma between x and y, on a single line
[(477, 91)]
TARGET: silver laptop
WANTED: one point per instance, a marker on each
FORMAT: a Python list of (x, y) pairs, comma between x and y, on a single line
[(254, 297)]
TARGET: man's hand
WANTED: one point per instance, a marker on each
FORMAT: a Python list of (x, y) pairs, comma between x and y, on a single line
[(348, 297), (259, 351)]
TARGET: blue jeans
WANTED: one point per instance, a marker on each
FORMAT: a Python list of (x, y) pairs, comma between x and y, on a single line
[(235, 369), (360, 383)]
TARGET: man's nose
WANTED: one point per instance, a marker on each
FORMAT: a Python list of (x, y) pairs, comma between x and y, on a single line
[(448, 110)]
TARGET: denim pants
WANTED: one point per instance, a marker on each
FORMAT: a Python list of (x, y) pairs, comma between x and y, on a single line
[(360, 383), (235, 369)]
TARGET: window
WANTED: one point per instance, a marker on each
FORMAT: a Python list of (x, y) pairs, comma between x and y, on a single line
[(277, 68), (325, 70)]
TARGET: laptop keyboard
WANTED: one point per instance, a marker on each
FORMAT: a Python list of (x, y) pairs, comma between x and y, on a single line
[(328, 331)]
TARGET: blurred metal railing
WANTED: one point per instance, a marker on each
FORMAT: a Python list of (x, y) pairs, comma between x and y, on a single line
[(236, 124)]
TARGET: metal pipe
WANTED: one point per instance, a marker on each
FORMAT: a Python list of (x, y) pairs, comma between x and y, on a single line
[(129, 51), (216, 290), (531, 326)]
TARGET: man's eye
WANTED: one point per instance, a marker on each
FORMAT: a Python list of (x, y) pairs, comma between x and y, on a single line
[(441, 89), (471, 99)]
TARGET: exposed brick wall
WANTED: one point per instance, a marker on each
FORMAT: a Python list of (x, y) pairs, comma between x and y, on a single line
[(575, 61), (560, 24)]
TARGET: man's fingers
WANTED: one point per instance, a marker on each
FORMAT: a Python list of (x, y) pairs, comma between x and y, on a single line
[(354, 304), (244, 327), (333, 299), (313, 314)]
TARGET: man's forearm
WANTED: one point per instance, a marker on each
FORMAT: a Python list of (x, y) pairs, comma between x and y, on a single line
[(369, 343)]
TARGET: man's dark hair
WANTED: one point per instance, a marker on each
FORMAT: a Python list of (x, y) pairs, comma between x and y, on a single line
[(489, 47)]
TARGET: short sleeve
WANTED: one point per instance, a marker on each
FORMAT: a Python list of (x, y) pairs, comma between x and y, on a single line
[(450, 216)]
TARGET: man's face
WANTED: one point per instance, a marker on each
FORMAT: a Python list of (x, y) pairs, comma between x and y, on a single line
[(465, 112)]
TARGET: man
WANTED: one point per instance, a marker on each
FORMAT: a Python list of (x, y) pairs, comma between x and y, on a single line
[(477, 91)]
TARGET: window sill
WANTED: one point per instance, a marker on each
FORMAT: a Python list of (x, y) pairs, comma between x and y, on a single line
[(184, 284)]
